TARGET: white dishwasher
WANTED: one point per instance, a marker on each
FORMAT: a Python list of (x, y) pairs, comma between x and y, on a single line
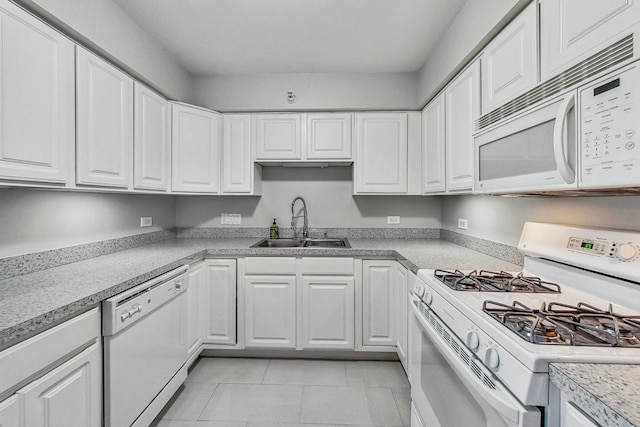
[(145, 348)]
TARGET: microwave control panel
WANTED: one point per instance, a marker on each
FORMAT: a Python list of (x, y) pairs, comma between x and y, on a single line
[(610, 131)]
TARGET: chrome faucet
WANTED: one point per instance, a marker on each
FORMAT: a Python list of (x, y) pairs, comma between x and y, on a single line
[(305, 228)]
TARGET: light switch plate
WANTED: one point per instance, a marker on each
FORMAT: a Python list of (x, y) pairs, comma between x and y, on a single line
[(230, 219), (146, 221), (393, 220), (462, 223)]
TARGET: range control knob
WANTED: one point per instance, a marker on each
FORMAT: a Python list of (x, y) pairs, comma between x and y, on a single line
[(492, 358), (419, 290), (428, 297), (626, 252), (473, 341)]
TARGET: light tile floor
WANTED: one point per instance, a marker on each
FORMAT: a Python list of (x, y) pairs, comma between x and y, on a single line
[(229, 392)]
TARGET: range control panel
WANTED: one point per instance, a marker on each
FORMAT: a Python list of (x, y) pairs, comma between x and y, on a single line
[(610, 131), (622, 251)]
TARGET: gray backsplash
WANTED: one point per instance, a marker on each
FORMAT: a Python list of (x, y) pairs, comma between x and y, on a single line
[(29, 263)]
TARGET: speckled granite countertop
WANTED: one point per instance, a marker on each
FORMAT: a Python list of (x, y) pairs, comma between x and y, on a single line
[(32, 302), (610, 394)]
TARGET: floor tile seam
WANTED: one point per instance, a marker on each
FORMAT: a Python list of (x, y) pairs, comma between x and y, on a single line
[(395, 400), (209, 401)]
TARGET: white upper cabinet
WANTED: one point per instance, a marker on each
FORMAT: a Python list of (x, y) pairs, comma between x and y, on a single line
[(238, 171), (329, 136), (195, 138), (573, 30), (433, 143), (510, 62), (151, 140), (278, 136), (462, 108), (380, 164), (104, 122), (37, 110)]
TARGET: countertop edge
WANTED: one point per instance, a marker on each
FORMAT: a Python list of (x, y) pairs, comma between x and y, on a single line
[(591, 404)]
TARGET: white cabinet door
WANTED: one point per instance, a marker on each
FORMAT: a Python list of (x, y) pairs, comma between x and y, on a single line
[(151, 140), (329, 136), (195, 309), (572, 416), (573, 30), (104, 122), (237, 163), (219, 292), (278, 136), (400, 288), (463, 107), (509, 64), (69, 396), (380, 164), (270, 311), (37, 106), (328, 312), (10, 415), (433, 146), (195, 139), (379, 315)]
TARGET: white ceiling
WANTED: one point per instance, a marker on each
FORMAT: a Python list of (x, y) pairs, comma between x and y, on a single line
[(295, 36)]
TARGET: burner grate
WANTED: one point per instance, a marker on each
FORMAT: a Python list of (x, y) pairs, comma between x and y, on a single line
[(492, 281), (562, 324)]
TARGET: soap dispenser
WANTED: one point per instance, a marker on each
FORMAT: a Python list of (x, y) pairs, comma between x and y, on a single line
[(274, 231)]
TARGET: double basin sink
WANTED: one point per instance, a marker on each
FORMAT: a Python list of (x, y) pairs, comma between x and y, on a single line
[(303, 243)]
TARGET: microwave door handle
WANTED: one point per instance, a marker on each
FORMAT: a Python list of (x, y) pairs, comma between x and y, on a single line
[(499, 399), (560, 140)]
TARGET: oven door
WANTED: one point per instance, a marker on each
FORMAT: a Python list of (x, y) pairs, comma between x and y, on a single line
[(536, 151), (450, 387)]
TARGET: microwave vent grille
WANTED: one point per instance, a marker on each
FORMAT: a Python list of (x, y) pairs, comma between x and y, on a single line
[(618, 52)]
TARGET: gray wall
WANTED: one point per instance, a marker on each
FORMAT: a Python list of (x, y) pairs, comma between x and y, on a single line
[(268, 92), (328, 194), (38, 220), (500, 219), (105, 27)]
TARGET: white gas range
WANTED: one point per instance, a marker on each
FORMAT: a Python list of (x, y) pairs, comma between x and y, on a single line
[(488, 337)]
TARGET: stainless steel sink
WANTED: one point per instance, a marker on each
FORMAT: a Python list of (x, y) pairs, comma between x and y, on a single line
[(303, 243)]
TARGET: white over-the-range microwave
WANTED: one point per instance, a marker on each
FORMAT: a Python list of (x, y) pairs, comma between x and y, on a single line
[(587, 138)]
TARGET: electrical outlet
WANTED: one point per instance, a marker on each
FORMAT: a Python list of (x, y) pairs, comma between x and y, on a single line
[(230, 219), (146, 221), (393, 220), (462, 223)]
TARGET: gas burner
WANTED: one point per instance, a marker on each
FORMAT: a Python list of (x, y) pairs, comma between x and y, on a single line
[(563, 324), (491, 281)]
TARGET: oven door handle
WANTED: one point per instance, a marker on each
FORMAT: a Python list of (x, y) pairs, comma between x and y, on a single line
[(501, 400), (561, 139)]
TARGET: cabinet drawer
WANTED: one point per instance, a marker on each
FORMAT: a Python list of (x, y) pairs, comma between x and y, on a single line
[(270, 265), (333, 266), (25, 359)]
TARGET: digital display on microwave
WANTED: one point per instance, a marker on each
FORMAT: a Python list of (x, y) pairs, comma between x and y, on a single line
[(606, 87)]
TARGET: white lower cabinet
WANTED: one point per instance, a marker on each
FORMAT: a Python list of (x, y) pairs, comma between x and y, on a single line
[(572, 416), (270, 312), (379, 303), (328, 312), (69, 396), (10, 412), (195, 309), (62, 370), (400, 287), (218, 292)]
